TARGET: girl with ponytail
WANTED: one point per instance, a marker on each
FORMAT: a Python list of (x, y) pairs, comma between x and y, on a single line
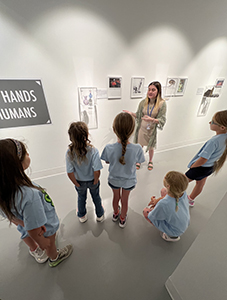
[(122, 157), (211, 156), (170, 212)]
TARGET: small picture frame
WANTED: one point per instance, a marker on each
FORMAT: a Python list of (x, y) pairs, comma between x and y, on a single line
[(137, 87), (181, 86), (171, 85), (114, 87), (219, 83), (87, 106), (203, 107)]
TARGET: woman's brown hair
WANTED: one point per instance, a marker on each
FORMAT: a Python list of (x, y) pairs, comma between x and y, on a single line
[(158, 99)]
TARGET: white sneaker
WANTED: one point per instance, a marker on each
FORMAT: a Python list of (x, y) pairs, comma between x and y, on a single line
[(83, 219), (39, 255), (62, 255), (100, 219), (168, 238)]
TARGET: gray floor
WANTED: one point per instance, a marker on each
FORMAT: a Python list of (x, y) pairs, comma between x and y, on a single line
[(108, 262)]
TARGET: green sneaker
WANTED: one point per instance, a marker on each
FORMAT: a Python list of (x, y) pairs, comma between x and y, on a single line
[(62, 255)]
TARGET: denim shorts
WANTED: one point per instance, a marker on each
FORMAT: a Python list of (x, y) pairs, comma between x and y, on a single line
[(116, 188), (199, 173)]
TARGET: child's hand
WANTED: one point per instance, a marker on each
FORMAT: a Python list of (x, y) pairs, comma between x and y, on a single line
[(42, 230), (96, 181), (153, 201)]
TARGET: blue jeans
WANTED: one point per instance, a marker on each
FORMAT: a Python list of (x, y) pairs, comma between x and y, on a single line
[(82, 197)]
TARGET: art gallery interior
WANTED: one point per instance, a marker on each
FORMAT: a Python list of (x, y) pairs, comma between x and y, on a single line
[(67, 44)]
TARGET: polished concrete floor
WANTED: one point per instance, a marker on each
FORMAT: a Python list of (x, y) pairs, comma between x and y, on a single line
[(108, 262)]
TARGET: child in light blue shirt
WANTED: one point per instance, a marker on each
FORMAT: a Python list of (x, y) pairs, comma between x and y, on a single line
[(211, 156), (28, 206), (122, 158), (170, 213), (83, 167)]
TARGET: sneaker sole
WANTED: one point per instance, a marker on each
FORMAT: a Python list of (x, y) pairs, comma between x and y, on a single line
[(169, 239)]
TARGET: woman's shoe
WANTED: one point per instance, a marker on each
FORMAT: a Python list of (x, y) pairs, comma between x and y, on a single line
[(150, 166), (138, 166)]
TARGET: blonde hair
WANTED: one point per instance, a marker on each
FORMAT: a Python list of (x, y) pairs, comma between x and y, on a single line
[(158, 99), (178, 184), (123, 127), (78, 134), (221, 118)]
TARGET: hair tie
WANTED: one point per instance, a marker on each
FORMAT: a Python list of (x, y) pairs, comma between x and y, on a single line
[(19, 148)]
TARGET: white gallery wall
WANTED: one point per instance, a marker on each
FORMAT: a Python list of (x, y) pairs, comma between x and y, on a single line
[(70, 44)]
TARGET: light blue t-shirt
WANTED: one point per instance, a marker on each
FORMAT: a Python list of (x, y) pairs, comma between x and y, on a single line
[(122, 175), (84, 171), (165, 217), (212, 150), (35, 208)]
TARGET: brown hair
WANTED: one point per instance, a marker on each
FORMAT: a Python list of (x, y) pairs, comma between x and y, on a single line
[(178, 184), (12, 175), (158, 99), (123, 127), (78, 134), (221, 118)]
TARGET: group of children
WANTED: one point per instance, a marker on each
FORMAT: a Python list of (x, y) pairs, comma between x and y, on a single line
[(28, 206)]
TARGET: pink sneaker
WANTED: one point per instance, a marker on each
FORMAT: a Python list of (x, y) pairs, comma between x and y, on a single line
[(191, 202)]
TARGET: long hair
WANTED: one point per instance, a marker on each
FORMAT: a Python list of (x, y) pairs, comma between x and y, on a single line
[(12, 175), (78, 134), (178, 184), (123, 127), (221, 118), (158, 98)]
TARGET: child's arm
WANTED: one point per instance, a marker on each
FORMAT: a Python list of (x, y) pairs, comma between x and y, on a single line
[(96, 176), (73, 179), (201, 161), (17, 222), (37, 235)]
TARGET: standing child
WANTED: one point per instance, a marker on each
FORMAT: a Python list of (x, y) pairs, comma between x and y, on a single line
[(83, 166), (122, 157), (210, 157), (28, 206), (170, 213)]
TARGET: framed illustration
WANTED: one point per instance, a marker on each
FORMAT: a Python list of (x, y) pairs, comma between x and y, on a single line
[(137, 87), (171, 86), (203, 107), (87, 106), (181, 86), (114, 87)]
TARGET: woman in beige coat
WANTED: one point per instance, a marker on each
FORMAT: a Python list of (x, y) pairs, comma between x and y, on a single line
[(150, 115)]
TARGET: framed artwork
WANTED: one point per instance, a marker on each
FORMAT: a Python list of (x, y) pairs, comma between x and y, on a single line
[(203, 107), (218, 87), (137, 87), (181, 86), (219, 83), (87, 106), (171, 86), (114, 87)]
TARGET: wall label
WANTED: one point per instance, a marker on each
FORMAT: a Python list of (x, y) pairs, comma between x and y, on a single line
[(22, 103)]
